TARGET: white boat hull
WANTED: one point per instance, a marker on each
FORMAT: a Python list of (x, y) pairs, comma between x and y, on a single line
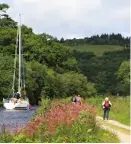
[(19, 105), (9, 106)]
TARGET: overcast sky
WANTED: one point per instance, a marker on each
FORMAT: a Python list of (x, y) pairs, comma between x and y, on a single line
[(73, 18)]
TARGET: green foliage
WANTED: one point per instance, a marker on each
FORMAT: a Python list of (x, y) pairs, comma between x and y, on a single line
[(101, 70), (6, 75), (3, 7), (45, 105), (68, 99), (123, 74), (40, 81), (4, 135), (103, 39), (21, 138), (7, 41), (91, 91), (71, 64), (73, 83), (57, 55), (5, 20), (63, 85), (50, 89), (35, 80)]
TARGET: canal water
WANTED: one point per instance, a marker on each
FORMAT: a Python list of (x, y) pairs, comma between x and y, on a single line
[(12, 119)]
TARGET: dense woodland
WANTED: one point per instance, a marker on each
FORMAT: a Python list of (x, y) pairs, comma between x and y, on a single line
[(103, 39), (54, 69)]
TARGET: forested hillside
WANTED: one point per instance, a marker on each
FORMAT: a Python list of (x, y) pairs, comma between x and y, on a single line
[(54, 69), (103, 39), (109, 72)]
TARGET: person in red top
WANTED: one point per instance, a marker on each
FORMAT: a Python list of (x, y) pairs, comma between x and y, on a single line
[(106, 107)]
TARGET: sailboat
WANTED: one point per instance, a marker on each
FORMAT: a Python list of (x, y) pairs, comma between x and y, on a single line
[(20, 102)]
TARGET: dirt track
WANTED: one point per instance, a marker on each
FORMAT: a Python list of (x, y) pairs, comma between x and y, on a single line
[(124, 137)]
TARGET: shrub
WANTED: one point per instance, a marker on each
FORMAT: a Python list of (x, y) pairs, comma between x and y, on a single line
[(45, 105), (82, 130)]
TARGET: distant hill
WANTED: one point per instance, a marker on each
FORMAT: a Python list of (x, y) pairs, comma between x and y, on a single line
[(103, 39), (98, 50)]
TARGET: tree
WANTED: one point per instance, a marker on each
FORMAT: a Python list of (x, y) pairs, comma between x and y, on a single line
[(123, 75), (123, 72), (3, 7), (5, 20), (62, 40), (36, 76), (55, 54), (101, 70), (74, 83), (6, 76)]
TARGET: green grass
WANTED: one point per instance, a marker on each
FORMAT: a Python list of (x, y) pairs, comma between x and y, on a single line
[(107, 137), (97, 49), (120, 110)]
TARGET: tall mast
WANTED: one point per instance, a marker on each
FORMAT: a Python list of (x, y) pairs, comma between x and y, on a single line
[(15, 60), (19, 80)]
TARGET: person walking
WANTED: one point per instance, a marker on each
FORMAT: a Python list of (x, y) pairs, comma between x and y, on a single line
[(106, 107), (73, 99), (78, 100)]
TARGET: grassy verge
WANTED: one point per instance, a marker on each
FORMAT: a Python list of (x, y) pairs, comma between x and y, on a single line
[(107, 137), (120, 110)]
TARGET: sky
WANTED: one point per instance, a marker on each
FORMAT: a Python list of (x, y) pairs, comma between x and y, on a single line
[(73, 18)]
